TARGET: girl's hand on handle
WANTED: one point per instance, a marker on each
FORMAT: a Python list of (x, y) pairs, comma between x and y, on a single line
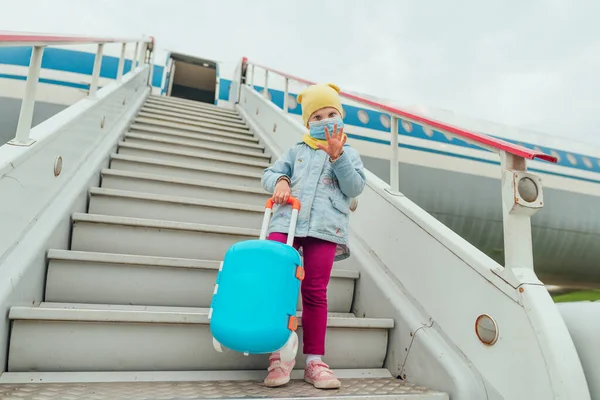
[(282, 192)]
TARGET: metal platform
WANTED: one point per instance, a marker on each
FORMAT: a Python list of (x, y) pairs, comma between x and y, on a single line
[(379, 388)]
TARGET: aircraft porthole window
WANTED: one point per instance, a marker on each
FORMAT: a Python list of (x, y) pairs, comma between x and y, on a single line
[(407, 126), (385, 120), (428, 131), (292, 103), (555, 154), (572, 159), (588, 162), (363, 116)]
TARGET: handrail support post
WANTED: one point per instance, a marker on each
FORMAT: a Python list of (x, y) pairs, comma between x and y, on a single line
[(394, 173), (522, 197), (121, 63), (266, 88), (286, 95), (142, 55), (96, 72), (134, 57), (28, 103)]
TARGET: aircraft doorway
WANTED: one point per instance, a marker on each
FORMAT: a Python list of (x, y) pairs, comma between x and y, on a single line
[(192, 78)]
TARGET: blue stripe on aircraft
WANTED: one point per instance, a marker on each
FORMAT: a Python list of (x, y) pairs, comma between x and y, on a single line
[(82, 63)]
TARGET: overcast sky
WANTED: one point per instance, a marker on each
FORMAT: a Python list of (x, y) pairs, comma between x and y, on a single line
[(527, 63)]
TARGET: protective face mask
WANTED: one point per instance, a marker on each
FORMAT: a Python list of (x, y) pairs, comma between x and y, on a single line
[(317, 128)]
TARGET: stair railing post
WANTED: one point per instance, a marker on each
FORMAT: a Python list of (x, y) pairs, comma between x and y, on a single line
[(121, 63), (28, 103), (96, 72), (394, 173), (134, 57), (266, 89), (522, 197), (142, 55), (251, 80), (286, 94)]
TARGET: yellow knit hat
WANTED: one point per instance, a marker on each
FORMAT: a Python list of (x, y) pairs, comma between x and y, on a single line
[(315, 97)]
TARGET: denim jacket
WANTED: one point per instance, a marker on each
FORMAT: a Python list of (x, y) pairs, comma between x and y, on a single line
[(324, 190)]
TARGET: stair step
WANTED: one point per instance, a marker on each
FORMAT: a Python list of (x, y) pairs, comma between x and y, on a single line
[(191, 157), (126, 235), (105, 278), (182, 187), (192, 120), (199, 147), (127, 203), (175, 103), (126, 377), (176, 112), (203, 136), (240, 132), (194, 388), (185, 170), (71, 337)]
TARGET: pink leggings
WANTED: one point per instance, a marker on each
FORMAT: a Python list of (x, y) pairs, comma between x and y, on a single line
[(318, 260)]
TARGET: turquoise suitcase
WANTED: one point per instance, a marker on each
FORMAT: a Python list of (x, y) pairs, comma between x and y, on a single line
[(253, 309)]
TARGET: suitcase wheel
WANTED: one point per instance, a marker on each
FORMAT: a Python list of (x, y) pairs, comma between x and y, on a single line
[(290, 349), (218, 346)]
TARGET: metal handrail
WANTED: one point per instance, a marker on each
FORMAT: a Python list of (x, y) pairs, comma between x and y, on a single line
[(39, 42), (490, 143)]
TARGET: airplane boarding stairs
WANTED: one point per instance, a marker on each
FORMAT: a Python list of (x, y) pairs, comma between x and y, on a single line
[(133, 291), (117, 212)]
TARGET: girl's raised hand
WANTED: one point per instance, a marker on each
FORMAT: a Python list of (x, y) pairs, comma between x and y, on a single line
[(335, 142)]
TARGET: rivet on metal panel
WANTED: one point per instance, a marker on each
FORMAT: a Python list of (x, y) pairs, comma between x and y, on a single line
[(102, 121), (57, 166), (486, 329), (521, 290)]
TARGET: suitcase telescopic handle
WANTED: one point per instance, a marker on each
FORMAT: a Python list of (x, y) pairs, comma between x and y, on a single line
[(295, 203)]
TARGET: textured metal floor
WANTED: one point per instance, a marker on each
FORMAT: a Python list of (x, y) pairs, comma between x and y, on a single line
[(351, 388)]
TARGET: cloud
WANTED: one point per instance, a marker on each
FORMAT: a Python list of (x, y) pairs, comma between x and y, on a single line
[(531, 64)]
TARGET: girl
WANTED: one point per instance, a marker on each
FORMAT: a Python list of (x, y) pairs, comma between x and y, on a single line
[(325, 174)]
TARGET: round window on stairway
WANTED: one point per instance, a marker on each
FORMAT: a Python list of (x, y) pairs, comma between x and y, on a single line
[(527, 189), (486, 329)]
